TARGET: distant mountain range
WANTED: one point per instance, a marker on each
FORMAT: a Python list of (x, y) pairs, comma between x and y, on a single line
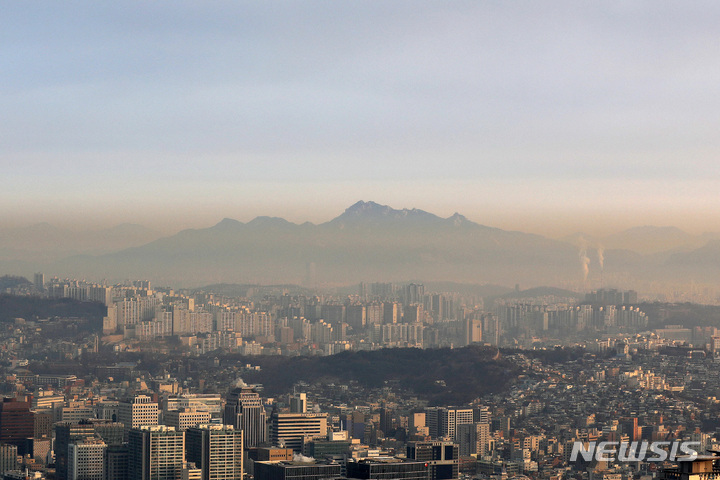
[(367, 242)]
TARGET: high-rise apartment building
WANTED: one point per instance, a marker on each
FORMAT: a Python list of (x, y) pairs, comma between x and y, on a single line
[(443, 421), (374, 314), (39, 281), (473, 439), (473, 330), (217, 450), (391, 312), (356, 316)]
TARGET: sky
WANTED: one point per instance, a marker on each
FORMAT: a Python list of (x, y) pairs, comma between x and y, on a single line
[(548, 117)]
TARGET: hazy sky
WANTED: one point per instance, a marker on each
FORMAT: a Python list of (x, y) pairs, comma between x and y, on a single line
[(540, 116)]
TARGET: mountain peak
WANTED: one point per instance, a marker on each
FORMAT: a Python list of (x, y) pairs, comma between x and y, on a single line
[(227, 224), (458, 220), (365, 208), (372, 214)]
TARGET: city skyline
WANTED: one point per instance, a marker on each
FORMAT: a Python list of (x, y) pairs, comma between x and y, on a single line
[(548, 119)]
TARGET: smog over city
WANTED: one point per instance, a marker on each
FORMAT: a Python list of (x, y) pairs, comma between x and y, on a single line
[(319, 240)]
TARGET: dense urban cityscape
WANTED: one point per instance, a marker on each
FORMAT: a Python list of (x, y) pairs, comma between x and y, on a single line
[(133, 381), (359, 240)]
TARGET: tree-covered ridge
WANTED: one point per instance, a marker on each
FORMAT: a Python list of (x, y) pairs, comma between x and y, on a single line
[(33, 308), (12, 281), (441, 376)]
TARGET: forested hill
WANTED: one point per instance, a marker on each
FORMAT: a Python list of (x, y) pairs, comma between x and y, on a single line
[(441, 376), (33, 308)]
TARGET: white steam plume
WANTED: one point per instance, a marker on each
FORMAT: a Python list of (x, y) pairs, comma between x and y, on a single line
[(298, 457), (601, 256), (584, 260)]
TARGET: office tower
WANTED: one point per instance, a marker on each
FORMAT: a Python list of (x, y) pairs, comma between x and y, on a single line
[(212, 403), (86, 459), (442, 457), (75, 412), (137, 411), (65, 434), (291, 430), (355, 425), (326, 448), (416, 424), (42, 424), (244, 410), (16, 422), (502, 424), (314, 470), (629, 426), (185, 418), (298, 403), (387, 468), (432, 420), (116, 462), (37, 449), (8, 457), (112, 433), (386, 420), (155, 452), (217, 450)]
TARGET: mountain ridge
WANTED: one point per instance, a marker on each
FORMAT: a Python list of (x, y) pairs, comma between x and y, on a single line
[(373, 242), (368, 241)]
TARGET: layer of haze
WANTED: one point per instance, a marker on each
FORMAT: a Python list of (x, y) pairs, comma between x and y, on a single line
[(549, 117)]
